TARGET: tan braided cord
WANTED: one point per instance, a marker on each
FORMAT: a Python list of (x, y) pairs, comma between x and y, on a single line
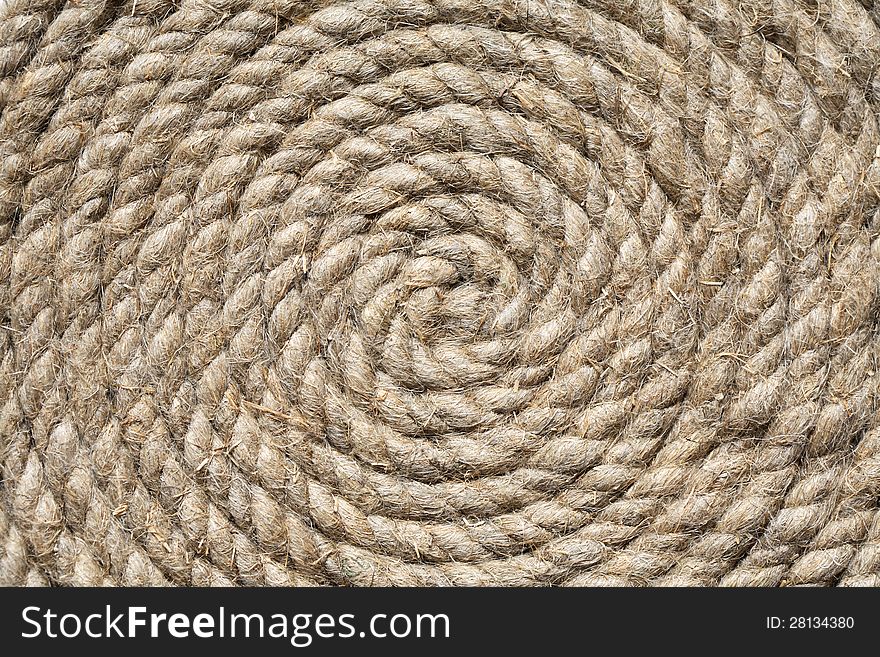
[(440, 292)]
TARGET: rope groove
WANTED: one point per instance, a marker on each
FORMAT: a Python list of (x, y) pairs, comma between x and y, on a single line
[(440, 292)]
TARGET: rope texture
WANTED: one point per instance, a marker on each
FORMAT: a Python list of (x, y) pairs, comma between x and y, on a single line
[(440, 292)]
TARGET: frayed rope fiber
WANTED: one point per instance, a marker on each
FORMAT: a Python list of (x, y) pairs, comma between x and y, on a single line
[(440, 292)]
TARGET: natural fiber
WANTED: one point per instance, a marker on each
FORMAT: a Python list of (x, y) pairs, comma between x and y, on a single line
[(428, 292)]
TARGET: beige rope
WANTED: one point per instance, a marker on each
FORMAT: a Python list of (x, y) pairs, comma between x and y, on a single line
[(440, 292)]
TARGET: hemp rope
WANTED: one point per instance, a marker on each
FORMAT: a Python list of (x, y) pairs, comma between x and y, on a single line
[(440, 292)]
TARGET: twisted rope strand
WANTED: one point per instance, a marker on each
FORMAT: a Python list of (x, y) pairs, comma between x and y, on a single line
[(383, 292)]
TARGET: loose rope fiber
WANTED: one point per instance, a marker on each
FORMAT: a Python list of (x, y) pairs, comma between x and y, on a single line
[(440, 292)]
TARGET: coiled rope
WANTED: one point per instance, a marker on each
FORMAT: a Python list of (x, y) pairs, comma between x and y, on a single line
[(440, 292)]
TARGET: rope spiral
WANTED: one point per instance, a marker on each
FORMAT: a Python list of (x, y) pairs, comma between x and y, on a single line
[(440, 292)]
